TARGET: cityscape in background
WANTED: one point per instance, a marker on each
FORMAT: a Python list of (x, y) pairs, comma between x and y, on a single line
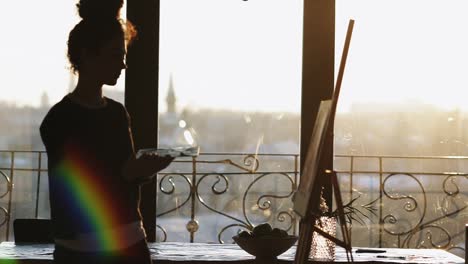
[(406, 129)]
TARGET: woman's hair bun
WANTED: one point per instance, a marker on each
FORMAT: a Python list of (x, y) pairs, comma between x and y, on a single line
[(99, 9)]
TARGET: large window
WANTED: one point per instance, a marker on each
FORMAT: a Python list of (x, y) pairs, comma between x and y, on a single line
[(230, 82), (405, 72), (35, 69), (228, 67), (34, 75), (402, 95)]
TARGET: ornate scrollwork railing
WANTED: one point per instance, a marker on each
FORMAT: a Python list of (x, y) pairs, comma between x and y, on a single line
[(211, 191), (417, 209), (8, 170), (211, 197)]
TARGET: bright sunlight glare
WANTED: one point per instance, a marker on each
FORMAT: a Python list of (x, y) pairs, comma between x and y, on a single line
[(246, 55)]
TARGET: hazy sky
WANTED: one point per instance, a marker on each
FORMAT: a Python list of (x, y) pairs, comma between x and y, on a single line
[(247, 54), (405, 49)]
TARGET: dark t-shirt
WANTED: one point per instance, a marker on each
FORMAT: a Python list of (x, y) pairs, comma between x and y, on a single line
[(87, 148)]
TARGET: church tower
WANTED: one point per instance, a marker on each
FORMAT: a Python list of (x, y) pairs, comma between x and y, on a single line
[(171, 98)]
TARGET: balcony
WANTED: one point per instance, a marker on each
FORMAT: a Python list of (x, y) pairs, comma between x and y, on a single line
[(392, 201)]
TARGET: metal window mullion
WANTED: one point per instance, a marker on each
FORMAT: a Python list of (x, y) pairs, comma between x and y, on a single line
[(36, 214), (193, 193), (10, 195)]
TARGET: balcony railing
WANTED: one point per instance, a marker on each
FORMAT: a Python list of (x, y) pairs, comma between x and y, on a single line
[(396, 201), (409, 201), (227, 192)]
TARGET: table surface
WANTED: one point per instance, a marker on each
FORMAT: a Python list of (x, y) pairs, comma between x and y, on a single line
[(175, 252)]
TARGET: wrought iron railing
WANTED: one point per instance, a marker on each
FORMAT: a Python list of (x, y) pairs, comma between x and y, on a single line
[(418, 201), (397, 201), (229, 192), (208, 190)]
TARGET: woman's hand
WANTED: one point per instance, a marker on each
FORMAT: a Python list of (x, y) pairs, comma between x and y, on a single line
[(143, 169)]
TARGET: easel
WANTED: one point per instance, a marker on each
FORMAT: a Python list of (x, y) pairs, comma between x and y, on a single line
[(308, 221)]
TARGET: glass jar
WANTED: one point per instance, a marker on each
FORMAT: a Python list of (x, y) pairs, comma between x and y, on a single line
[(321, 248)]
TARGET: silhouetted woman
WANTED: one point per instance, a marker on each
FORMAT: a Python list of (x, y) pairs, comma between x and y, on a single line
[(93, 174)]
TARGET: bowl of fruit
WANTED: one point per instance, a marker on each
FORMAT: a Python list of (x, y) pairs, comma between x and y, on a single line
[(265, 242)]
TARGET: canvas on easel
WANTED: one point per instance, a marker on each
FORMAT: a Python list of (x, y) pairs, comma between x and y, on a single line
[(307, 197), (305, 192)]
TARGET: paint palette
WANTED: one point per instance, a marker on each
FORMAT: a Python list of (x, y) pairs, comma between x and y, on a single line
[(172, 152)]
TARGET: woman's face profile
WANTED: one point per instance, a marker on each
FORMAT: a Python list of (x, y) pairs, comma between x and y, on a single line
[(107, 65), (113, 60)]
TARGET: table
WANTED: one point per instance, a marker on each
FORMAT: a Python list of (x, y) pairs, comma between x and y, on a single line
[(203, 253)]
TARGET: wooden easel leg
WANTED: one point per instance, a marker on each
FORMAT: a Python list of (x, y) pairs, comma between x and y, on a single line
[(305, 240)]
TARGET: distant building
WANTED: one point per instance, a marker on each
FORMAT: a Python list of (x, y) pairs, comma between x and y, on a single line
[(45, 101), (171, 126), (171, 97)]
